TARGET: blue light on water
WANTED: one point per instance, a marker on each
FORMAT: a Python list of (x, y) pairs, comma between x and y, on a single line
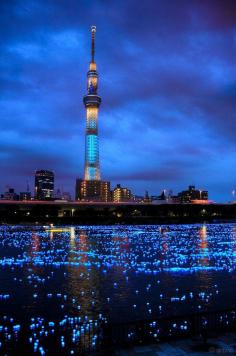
[(68, 280)]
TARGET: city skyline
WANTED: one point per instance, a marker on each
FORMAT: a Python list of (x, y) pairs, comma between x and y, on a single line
[(168, 92)]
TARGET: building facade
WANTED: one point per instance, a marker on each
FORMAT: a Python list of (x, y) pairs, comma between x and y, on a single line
[(44, 185), (121, 194), (92, 190), (10, 195), (192, 194)]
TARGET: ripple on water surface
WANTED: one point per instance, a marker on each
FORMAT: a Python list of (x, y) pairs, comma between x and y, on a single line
[(52, 280)]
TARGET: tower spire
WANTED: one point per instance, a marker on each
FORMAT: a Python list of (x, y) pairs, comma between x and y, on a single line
[(92, 102), (93, 30), (92, 188)]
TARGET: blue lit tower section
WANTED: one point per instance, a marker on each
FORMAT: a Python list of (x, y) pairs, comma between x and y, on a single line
[(92, 102), (92, 188)]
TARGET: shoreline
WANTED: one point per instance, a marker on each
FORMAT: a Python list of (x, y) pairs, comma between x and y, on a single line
[(164, 222), (74, 213)]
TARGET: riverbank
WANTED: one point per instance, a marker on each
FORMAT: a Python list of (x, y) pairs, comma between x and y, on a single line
[(77, 213)]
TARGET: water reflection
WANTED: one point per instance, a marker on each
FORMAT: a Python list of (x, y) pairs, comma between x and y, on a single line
[(125, 272), (35, 244), (83, 282), (204, 260), (205, 279)]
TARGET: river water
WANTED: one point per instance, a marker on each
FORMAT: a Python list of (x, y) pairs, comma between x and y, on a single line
[(52, 278)]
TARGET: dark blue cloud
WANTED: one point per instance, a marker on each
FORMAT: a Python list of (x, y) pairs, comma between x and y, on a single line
[(167, 80)]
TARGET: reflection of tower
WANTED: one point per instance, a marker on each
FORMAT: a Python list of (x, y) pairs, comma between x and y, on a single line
[(205, 279), (83, 281), (35, 242), (72, 236), (92, 188), (204, 261), (83, 239), (203, 237)]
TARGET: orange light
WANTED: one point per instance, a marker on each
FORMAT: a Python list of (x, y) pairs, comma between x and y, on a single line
[(92, 66)]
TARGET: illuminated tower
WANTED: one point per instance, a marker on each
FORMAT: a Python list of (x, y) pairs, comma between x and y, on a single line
[(92, 102), (92, 188)]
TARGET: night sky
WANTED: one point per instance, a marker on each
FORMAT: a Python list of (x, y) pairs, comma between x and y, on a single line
[(167, 81)]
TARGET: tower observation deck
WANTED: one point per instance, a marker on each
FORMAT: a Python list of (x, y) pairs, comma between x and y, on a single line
[(92, 102), (92, 188)]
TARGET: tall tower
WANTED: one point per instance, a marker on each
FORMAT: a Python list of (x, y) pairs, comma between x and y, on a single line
[(92, 102), (92, 188)]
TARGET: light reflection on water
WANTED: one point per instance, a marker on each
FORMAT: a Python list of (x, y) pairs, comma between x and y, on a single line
[(126, 272)]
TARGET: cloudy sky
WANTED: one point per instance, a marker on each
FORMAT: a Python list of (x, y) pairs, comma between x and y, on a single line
[(167, 81)]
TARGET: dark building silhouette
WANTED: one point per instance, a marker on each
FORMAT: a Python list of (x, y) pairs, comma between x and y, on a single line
[(78, 193), (10, 194), (147, 198), (58, 194), (66, 196), (44, 185), (25, 196), (164, 197), (191, 194)]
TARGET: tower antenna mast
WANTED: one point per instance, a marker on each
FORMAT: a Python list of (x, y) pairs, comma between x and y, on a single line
[(93, 31)]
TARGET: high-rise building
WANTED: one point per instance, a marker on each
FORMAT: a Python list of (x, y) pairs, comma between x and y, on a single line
[(78, 183), (105, 191), (44, 185), (92, 188), (121, 194)]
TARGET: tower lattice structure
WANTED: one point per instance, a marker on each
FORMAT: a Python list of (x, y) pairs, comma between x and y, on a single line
[(92, 188), (92, 102)]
